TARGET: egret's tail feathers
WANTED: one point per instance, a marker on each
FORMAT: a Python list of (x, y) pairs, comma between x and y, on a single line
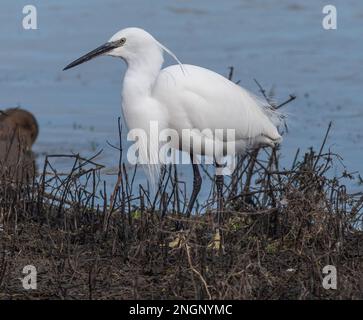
[(278, 119), (266, 141)]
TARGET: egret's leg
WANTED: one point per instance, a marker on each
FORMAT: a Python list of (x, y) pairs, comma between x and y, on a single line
[(220, 200), (216, 243), (197, 183)]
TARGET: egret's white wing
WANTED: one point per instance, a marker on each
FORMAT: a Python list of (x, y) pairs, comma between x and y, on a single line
[(200, 98)]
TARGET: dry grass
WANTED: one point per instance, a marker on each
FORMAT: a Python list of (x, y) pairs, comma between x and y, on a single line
[(280, 228)]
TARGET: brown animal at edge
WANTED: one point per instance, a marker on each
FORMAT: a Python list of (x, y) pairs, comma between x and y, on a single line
[(18, 132)]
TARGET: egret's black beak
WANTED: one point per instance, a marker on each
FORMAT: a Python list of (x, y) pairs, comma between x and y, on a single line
[(93, 54)]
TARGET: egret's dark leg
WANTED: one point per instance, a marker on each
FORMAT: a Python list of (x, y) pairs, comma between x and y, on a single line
[(197, 183), (220, 200)]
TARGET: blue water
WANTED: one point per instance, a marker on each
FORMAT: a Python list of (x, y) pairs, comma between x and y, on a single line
[(280, 43)]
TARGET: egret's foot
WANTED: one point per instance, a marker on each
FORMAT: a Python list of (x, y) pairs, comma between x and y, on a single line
[(216, 243), (178, 241)]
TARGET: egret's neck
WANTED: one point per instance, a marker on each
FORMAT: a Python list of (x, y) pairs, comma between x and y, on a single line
[(141, 75)]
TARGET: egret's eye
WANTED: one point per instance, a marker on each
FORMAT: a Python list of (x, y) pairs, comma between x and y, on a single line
[(122, 41)]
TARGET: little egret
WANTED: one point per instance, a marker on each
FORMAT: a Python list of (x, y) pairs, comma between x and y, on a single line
[(186, 97)]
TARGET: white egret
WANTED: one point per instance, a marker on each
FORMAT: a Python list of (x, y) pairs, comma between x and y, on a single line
[(186, 97)]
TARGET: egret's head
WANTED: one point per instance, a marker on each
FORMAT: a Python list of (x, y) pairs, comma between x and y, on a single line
[(129, 43)]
